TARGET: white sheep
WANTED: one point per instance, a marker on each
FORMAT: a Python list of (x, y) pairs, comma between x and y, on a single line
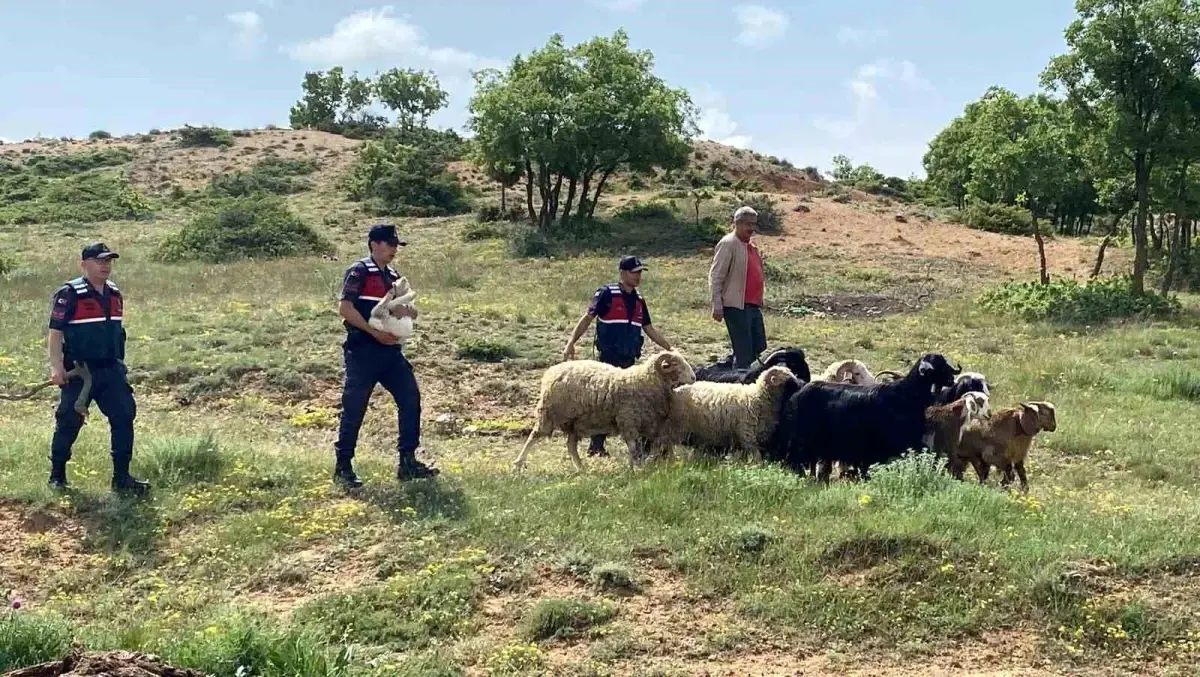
[(728, 415), (383, 315), (847, 371), (587, 397)]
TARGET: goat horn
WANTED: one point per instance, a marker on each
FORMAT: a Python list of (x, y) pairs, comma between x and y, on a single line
[(958, 369)]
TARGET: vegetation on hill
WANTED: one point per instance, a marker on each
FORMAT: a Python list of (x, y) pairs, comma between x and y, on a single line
[(246, 560), (607, 110), (1122, 137), (254, 227)]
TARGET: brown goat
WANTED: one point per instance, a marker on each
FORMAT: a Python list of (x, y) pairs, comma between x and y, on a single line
[(1004, 440), (944, 426)]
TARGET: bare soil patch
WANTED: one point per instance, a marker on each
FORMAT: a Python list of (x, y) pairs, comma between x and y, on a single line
[(37, 543), (864, 235)]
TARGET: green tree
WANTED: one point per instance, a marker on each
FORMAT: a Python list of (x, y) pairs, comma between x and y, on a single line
[(1133, 58), (332, 102), (413, 94), (573, 116)]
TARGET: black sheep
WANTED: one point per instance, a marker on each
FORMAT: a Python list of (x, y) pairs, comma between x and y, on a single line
[(966, 382), (724, 372), (858, 426)]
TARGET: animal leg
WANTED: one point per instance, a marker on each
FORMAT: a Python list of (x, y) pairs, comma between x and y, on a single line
[(981, 470), (519, 462), (955, 466), (1020, 466), (573, 450), (1006, 477), (824, 469)]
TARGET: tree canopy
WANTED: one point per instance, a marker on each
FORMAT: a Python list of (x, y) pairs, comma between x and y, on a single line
[(1117, 127), (575, 115)]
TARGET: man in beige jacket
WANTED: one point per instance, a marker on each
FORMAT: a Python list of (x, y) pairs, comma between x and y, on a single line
[(736, 283)]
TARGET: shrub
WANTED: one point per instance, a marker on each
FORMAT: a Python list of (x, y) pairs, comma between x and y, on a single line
[(399, 180), (485, 350), (7, 264), (529, 242), (564, 618), (58, 166), (273, 175), (770, 220), (644, 210), (997, 218), (99, 134), (1070, 301), (93, 196), (204, 137), (489, 213), (244, 228), (482, 231)]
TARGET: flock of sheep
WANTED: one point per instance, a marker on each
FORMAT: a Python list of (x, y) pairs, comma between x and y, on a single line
[(778, 412)]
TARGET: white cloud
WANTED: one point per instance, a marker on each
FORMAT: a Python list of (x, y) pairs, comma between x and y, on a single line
[(714, 121), (373, 34), (760, 25), (849, 35), (6, 140), (618, 5), (250, 33), (864, 87)]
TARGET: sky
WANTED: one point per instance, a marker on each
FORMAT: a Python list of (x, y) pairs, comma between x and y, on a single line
[(873, 79)]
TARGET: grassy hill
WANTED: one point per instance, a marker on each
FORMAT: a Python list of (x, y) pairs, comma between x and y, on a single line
[(247, 556)]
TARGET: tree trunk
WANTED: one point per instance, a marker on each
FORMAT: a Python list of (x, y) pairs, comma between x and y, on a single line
[(570, 198), (599, 188), (1156, 234), (544, 190), (1168, 280), (1041, 245), (554, 193), (583, 195), (1112, 231), (503, 207), (529, 194), (1141, 173)]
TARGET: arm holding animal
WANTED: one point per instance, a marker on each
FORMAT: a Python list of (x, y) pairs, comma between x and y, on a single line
[(348, 313)]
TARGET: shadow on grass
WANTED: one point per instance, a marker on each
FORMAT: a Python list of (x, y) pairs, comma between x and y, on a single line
[(420, 499), (118, 523)]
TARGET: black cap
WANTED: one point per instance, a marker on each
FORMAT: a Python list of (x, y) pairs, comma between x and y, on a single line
[(631, 263), (98, 250), (384, 232)]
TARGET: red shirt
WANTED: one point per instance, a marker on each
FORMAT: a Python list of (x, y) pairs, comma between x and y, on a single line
[(754, 276)]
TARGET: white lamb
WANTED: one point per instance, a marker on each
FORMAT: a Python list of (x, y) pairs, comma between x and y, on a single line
[(707, 414), (586, 397), (847, 371), (383, 315)]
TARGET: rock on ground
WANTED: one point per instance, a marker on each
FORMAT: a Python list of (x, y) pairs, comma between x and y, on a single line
[(111, 664)]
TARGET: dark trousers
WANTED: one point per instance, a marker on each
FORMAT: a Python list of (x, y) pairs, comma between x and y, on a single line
[(114, 396), (369, 363), (746, 333), (597, 443)]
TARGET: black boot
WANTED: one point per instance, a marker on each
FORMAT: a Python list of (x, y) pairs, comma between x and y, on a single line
[(412, 469), (58, 475), (343, 472), (123, 481)]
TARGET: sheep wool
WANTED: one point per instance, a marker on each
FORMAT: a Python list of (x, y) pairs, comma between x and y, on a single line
[(587, 397), (728, 415)]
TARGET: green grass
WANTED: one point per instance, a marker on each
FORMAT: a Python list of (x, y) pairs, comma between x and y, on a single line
[(246, 555)]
